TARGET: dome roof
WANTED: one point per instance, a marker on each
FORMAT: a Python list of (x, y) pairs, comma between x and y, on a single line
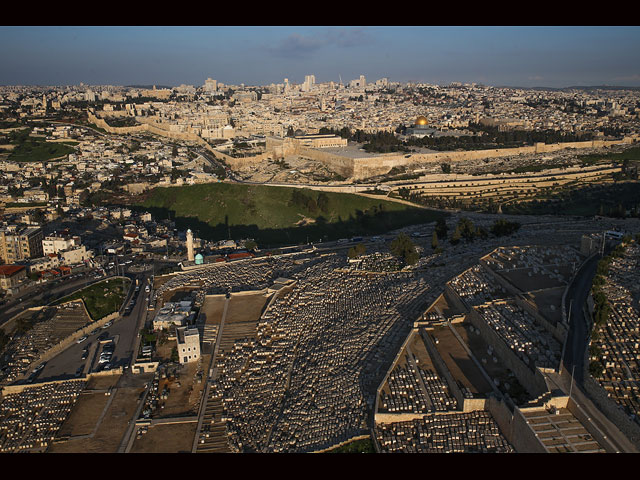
[(421, 120)]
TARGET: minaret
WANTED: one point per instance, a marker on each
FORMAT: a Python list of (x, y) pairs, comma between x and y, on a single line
[(190, 255)]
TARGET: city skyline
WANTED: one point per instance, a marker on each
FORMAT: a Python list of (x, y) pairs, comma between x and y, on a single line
[(550, 56)]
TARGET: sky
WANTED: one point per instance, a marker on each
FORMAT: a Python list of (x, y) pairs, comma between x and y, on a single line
[(525, 56)]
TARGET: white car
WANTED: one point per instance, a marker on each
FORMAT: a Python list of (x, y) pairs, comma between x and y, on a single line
[(107, 325), (82, 339)]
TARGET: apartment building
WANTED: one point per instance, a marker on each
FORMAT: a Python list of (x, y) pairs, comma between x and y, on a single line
[(20, 243)]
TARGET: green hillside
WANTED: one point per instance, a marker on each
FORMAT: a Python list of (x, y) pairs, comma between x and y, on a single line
[(278, 215)]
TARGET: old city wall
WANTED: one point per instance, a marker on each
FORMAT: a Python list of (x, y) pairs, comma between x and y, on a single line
[(148, 126), (342, 165), (357, 168), (380, 165)]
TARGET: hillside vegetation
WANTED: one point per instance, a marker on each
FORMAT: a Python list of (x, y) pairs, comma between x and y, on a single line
[(278, 215)]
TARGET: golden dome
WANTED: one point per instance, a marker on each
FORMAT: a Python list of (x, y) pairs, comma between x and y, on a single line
[(421, 121)]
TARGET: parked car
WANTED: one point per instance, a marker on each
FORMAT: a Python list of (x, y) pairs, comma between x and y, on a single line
[(82, 339)]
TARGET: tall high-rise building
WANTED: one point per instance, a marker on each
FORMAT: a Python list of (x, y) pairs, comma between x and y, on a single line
[(309, 82)]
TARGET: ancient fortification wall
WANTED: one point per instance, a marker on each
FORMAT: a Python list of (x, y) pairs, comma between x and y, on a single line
[(163, 130), (380, 165), (356, 168)]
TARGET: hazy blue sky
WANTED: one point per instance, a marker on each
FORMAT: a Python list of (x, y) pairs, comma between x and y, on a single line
[(516, 56)]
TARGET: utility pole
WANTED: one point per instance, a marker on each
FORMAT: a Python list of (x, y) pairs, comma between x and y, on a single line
[(571, 387)]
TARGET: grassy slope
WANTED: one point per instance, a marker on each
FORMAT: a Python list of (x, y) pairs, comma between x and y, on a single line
[(264, 206), (269, 209)]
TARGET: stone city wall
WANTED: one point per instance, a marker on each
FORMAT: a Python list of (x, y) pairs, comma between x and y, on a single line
[(357, 168), (148, 126), (380, 165)]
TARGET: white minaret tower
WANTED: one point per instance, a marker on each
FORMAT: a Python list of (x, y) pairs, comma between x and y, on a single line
[(190, 255)]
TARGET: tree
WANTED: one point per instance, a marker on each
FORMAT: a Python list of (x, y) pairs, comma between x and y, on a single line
[(403, 247), (441, 228), (456, 236), (596, 369), (503, 227), (446, 168), (467, 229), (323, 202), (357, 251)]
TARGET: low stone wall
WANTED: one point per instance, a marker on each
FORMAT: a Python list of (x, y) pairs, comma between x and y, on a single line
[(345, 442), (105, 373)]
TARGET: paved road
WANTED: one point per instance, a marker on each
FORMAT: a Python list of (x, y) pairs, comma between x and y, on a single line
[(44, 294), (574, 357), (124, 331), (579, 333)]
